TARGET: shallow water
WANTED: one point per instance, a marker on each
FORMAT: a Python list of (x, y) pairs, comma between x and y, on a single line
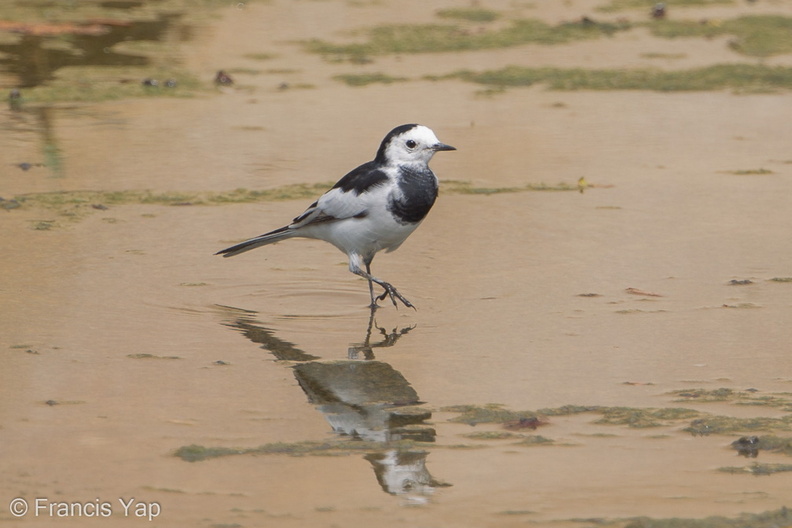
[(33, 62), (125, 339)]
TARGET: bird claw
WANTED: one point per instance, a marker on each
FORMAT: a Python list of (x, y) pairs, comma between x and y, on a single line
[(391, 292)]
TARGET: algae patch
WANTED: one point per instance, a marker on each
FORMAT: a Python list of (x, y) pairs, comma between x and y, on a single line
[(535, 440), (75, 205), (490, 413), (758, 469), (632, 417), (196, 453), (364, 79), (491, 435), (753, 35), (433, 38), (150, 356), (731, 425), (696, 422), (642, 418), (770, 519), (93, 84), (781, 401), (471, 14), (620, 5), (741, 78), (465, 187), (751, 172)]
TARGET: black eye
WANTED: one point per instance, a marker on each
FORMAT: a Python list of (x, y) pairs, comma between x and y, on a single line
[(411, 144)]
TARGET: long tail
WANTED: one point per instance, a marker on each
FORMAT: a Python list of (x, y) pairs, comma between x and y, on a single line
[(261, 240)]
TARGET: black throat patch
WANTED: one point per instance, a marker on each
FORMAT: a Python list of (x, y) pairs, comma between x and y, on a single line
[(418, 194)]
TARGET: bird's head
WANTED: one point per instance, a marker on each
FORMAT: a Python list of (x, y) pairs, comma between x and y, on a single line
[(410, 144)]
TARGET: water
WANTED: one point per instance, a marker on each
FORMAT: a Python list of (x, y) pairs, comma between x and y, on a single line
[(34, 59), (539, 378)]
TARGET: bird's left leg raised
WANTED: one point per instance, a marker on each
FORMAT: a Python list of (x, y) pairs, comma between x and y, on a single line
[(390, 291)]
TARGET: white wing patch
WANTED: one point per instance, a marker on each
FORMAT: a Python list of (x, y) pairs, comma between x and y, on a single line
[(340, 204), (335, 204)]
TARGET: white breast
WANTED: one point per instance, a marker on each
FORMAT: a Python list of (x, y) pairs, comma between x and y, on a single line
[(372, 231)]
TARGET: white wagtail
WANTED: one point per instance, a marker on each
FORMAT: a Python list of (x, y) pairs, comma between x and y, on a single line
[(374, 207)]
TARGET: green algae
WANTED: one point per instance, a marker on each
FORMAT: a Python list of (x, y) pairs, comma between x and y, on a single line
[(432, 38), (491, 435), (72, 206), (741, 78), (197, 453), (465, 187), (781, 401), (76, 205), (364, 79), (471, 14), (150, 356), (76, 11), (621, 5), (758, 469), (769, 519), (490, 413), (633, 417), (535, 440), (62, 199), (753, 35), (567, 410), (751, 172), (730, 425), (96, 84), (705, 395), (643, 418)]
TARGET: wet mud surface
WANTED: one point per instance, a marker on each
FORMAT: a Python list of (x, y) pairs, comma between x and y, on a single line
[(602, 289)]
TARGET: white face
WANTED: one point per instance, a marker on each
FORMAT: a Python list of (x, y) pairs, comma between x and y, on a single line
[(416, 145)]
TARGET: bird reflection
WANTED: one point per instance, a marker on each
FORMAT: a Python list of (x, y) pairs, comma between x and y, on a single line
[(367, 347), (404, 473), (244, 321), (365, 400)]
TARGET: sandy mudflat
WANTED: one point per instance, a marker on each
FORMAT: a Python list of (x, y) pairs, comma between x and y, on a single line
[(613, 297)]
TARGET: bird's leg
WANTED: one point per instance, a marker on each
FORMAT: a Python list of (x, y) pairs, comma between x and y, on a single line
[(390, 291), (380, 297), (365, 346), (373, 304)]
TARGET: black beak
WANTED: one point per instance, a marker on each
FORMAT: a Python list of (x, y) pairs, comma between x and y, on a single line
[(442, 146)]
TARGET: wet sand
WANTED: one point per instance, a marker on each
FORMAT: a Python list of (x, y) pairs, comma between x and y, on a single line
[(119, 319)]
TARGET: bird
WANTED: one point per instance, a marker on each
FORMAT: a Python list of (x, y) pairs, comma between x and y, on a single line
[(374, 207)]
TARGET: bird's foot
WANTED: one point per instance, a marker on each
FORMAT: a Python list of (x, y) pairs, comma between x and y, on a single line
[(394, 294)]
